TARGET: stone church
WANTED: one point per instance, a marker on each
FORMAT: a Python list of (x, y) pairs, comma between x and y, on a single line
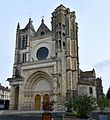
[(46, 64)]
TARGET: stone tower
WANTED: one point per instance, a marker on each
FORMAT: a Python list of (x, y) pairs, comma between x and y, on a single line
[(65, 35), (46, 65)]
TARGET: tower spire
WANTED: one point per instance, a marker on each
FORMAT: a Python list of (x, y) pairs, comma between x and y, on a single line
[(30, 20), (18, 26), (42, 19)]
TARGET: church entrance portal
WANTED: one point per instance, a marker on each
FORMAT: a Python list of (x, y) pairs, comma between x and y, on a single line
[(38, 102)]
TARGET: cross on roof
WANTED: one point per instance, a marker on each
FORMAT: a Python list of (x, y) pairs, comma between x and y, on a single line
[(42, 19)]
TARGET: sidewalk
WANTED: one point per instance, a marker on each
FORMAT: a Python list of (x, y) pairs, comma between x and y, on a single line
[(94, 114), (1, 112), (13, 112), (27, 115)]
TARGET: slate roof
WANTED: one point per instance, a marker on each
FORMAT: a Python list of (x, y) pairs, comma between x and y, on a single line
[(4, 88), (87, 74), (60, 7), (87, 78), (43, 29), (29, 26)]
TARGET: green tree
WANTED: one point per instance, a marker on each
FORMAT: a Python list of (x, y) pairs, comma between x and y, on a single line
[(108, 94), (102, 103), (83, 104), (69, 105)]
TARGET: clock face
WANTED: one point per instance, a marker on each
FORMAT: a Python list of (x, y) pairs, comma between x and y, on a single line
[(42, 53)]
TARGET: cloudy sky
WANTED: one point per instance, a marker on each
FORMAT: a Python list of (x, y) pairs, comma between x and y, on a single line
[(93, 17)]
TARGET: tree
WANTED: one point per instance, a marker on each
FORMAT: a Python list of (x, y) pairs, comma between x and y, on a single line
[(108, 94), (69, 105), (102, 103), (84, 104)]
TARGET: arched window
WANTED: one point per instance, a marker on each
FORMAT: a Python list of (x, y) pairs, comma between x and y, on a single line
[(60, 44), (42, 33), (59, 32), (63, 44), (60, 24), (24, 55), (63, 34), (63, 26), (90, 90), (24, 42)]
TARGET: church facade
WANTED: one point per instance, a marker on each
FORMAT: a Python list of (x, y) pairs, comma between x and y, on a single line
[(46, 64)]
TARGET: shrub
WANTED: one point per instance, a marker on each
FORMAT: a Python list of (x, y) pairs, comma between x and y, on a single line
[(83, 104), (102, 103), (47, 105), (69, 105)]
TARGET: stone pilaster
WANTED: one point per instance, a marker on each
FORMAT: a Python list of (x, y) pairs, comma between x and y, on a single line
[(55, 94), (21, 97), (12, 98)]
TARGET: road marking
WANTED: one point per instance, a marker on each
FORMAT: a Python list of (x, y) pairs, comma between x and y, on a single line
[(1, 111)]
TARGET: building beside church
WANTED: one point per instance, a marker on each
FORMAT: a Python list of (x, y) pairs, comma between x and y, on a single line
[(46, 64), (4, 97)]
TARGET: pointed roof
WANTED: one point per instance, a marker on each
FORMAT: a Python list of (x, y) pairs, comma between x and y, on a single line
[(43, 29), (61, 6), (87, 77), (29, 26), (18, 27), (87, 74), (4, 88)]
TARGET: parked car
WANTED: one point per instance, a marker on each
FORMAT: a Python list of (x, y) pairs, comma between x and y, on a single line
[(1, 106)]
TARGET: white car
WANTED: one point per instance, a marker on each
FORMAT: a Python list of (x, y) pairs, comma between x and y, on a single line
[(1, 106)]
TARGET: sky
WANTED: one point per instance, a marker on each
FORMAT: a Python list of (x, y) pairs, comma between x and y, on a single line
[(93, 19)]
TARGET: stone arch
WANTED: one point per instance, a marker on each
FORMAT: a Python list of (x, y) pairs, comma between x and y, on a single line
[(42, 85), (39, 83), (33, 80)]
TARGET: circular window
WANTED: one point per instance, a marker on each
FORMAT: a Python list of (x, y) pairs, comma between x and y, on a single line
[(42, 53)]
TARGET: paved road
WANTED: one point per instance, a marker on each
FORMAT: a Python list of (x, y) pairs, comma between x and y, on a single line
[(1, 112), (17, 115), (37, 115), (94, 114)]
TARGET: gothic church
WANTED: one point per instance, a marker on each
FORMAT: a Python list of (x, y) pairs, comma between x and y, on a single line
[(46, 64)]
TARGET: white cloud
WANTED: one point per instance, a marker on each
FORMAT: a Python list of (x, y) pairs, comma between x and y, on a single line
[(103, 71)]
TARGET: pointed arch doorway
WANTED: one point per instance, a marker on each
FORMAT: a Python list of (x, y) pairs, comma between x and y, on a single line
[(45, 104), (46, 98), (37, 102)]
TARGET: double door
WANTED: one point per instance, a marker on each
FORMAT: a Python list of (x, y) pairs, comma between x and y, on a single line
[(39, 100)]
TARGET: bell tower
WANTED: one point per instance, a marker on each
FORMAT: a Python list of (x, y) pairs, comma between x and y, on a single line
[(22, 50), (65, 35)]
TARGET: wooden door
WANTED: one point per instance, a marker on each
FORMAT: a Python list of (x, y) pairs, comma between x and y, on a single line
[(46, 98), (37, 102)]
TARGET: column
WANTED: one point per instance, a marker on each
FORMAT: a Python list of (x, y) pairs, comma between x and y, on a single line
[(12, 98), (21, 98), (55, 92)]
